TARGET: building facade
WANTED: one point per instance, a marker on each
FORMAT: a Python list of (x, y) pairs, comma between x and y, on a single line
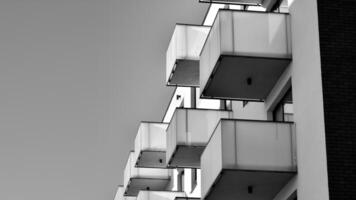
[(263, 107)]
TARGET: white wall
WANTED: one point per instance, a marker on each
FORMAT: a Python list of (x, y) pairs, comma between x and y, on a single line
[(308, 101)]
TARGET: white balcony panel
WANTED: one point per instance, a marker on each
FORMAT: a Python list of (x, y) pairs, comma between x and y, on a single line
[(238, 2), (120, 194), (136, 179), (244, 45), (150, 145), (188, 133), (182, 57), (159, 195), (242, 153), (262, 4)]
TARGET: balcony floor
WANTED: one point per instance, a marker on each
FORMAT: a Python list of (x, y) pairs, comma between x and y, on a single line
[(233, 184), (186, 156), (237, 2), (186, 198), (229, 79), (152, 159), (186, 73), (137, 184)]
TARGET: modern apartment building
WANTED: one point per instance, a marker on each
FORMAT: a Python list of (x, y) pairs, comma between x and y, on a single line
[(263, 107)]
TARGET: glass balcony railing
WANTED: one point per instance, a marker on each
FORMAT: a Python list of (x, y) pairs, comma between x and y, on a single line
[(266, 5), (188, 133), (159, 195), (238, 2), (120, 194), (136, 179), (244, 55), (182, 58), (150, 145), (248, 159)]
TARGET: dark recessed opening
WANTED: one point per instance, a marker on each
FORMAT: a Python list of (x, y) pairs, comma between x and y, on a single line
[(249, 81), (250, 189)]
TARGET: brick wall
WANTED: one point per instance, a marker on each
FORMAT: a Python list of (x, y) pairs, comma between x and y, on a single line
[(337, 26)]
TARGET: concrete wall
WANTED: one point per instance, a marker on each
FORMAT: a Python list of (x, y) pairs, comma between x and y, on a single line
[(308, 101)]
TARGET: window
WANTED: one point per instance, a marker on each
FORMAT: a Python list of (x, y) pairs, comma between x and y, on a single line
[(284, 109)]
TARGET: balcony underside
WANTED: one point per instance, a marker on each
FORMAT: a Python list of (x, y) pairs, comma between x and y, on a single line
[(186, 156), (137, 184), (252, 185), (185, 73), (238, 2), (244, 78), (152, 159)]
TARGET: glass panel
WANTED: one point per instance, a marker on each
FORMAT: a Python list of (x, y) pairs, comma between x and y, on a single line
[(196, 126), (186, 43), (150, 137), (133, 172), (192, 127), (240, 2), (244, 34), (211, 161), (248, 145), (263, 145), (159, 195), (120, 194)]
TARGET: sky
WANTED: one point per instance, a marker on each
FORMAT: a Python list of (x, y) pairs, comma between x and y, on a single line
[(76, 78)]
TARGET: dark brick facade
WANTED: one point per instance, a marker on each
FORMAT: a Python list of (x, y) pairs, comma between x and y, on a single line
[(337, 26)]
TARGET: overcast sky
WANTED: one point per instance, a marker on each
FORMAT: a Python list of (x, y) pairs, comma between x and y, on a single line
[(76, 77)]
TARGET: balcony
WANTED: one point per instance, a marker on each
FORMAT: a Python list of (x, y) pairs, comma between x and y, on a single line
[(120, 194), (182, 58), (238, 2), (187, 198), (188, 134), (248, 160), (268, 5), (244, 55), (150, 145), (159, 195), (136, 179)]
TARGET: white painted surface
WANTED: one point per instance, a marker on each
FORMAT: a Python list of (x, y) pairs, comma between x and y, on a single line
[(233, 33), (308, 101), (279, 90), (150, 137), (180, 98), (120, 194), (196, 193), (132, 172), (211, 161), (186, 43), (248, 145), (252, 110), (288, 189), (159, 195), (192, 127), (185, 101)]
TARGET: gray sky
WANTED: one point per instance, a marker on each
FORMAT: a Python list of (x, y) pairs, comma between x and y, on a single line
[(76, 77)]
